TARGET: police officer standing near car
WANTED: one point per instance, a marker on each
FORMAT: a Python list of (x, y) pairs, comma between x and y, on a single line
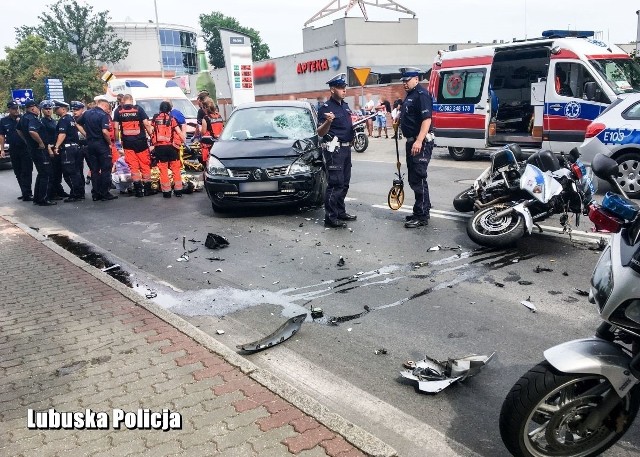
[(415, 123), (49, 123), (96, 125), (32, 131), (67, 149), (20, 158), (334, 119)]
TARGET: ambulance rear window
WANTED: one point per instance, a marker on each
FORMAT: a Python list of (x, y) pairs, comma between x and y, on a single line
[(461, 86)]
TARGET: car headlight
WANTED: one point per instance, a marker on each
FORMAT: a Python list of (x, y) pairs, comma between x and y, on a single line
[(298, 167), (602, 278), (216, 168)]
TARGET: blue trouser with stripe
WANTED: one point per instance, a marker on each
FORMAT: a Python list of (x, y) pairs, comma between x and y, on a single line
[(338, 167), (44, 181), (417, 176)]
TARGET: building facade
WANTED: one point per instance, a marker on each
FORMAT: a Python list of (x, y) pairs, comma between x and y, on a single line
[(177, 54)]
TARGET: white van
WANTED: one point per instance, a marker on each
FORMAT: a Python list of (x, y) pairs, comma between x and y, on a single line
[(539, 93), (149, 92)]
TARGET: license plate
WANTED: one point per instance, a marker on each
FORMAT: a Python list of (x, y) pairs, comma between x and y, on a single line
[(262, 186)]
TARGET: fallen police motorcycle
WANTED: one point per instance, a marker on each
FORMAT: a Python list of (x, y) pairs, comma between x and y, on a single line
[(512, 196), (360, 138), (585, 395)]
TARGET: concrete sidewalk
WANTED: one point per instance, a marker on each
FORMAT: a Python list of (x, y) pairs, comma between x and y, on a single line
[(72, 339)]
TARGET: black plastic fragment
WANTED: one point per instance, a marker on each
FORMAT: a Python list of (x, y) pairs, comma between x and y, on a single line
[(214, 241)]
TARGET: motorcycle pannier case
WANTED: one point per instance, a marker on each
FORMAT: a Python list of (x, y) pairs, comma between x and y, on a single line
[(545, 161), (620, 206)]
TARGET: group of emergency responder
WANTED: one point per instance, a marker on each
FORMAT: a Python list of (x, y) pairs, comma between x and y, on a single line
[(59, 148)]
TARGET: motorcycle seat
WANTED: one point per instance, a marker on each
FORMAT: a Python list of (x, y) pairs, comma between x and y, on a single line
[(545, 160)]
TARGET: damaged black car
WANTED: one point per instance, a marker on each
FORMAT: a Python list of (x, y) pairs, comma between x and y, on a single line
[(268, 154)]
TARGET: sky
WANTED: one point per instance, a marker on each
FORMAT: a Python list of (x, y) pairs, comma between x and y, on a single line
[(280, 22)]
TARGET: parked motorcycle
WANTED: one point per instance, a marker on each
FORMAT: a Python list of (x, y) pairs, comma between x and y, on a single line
[(360, 138), (511, 196), (585, 395)]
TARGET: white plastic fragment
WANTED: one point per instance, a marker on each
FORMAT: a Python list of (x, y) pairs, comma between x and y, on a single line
[(529, 305), (220, 332)]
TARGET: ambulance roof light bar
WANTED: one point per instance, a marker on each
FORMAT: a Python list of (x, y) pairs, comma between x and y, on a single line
[(568, 33), (337, 5)]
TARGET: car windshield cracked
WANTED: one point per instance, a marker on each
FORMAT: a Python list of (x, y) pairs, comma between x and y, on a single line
[(269, 123)]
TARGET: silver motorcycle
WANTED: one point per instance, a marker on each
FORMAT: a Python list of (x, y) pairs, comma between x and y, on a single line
[(585, 395)]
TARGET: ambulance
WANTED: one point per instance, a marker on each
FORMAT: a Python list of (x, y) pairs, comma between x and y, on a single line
[(538, 93)]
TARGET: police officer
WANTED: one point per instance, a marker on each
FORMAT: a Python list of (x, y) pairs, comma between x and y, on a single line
[(49, 138), (131, 126), (96, 126), (334, 118), (77, 110), (20, 157), (32, 132), (415, 123), (67, 149)]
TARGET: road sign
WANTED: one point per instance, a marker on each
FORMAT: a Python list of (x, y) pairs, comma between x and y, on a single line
[(22, 95), (362, 74), (54, 90)]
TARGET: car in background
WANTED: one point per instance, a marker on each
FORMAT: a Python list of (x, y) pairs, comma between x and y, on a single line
[(268, 154), (616, 134)]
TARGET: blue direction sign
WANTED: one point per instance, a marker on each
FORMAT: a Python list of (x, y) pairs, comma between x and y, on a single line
[(22, 95), (54, 90)]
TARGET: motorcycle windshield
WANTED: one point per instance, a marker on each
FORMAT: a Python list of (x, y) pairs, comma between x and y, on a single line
[(542, 186)]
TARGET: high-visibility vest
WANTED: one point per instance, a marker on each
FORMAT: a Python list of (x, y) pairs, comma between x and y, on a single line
[(130, 122), (215, 125), (163, 129)]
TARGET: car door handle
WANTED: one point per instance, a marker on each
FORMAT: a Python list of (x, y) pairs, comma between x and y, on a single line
[(479, 107)]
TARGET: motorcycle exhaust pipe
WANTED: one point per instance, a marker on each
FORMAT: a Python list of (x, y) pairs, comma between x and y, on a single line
[(481, 205)]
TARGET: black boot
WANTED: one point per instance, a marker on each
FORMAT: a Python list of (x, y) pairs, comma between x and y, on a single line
[(137, 189), (166, 194), (177, 193), (147, 189)]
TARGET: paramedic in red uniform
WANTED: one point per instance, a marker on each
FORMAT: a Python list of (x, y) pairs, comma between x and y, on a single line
[(166, 139), (212, 125), (132, 125)]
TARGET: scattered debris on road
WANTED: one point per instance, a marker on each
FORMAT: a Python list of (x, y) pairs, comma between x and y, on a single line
[(316, 313), (340, 262), (220, 332), (381, 351), (283, 333), (540, 269), (582, 293), (215, 241), (110, 268), (525, 283), (529, 305), (434, 375)]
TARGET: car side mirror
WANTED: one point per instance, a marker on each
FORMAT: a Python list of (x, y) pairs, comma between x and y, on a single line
[(590, 90)]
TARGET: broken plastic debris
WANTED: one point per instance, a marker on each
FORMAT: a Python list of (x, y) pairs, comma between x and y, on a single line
[(316, 313), (434, 375), (341, 262), (183, 258), (581, 292), (529, 305), (214, 241), (220, 332), (434, 248), (381, 351), (540, 269), (275, 282), (218, 270), (110, 268), (283, 333), (151, 294), (349, 329), (214, 258)]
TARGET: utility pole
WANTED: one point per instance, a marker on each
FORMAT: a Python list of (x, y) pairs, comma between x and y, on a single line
[(155, 5), (638, 34)]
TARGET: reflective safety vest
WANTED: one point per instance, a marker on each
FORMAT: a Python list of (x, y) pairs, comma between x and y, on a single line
[(130, 123), (215, 125), (164, 133)]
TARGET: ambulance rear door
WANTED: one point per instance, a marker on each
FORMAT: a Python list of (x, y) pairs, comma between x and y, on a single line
[(461, 107)]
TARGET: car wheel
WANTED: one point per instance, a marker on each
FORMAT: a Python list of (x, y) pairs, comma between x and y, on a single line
[(461, 153), (322, 189), (629, 173)]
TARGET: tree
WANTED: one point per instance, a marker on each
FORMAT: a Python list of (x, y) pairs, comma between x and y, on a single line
[(69, 25), (29, 63), (211, 25)]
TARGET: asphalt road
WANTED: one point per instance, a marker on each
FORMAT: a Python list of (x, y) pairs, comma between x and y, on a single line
[(445, 303)]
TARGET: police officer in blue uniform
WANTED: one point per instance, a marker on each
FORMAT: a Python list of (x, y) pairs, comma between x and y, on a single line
[(415, 122), (77, 110), (20, 157), (56, 192), (334, 120), (67, 149), (96, 125), (32, 131)]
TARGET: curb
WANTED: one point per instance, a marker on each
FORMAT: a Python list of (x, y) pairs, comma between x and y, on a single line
[(355, 435)]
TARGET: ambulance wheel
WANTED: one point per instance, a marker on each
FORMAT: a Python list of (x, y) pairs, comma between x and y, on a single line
[(629, 173), (461, 153)]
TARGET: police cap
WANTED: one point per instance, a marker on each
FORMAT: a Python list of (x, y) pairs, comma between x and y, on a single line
[(47, 104), (60, 104), (30, 103), (75, 105), (13, 105), (409, 72), (338, 80)]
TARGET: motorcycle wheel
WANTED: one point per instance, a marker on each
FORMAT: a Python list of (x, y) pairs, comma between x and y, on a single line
[(463, 202), (542, 414), (361, 142), (487, 230)]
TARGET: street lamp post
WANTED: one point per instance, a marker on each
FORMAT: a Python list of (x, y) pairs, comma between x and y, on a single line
[(638, 34), (155, 5)]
